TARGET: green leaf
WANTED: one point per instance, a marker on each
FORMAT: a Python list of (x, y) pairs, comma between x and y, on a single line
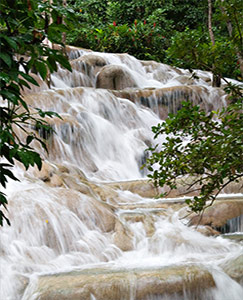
[(29, 139), (6, 58), (29, 78), (4, 77), (10, 41), (41, 68)]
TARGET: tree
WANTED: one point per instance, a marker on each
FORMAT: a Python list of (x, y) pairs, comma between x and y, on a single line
[(232, 16), (216, 47), (205, 147), (24, 24)]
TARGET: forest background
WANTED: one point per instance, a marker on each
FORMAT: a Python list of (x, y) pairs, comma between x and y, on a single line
[(174, 32)]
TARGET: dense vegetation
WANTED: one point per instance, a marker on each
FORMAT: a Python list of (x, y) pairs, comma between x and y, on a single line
[(24, 24), (171, 31)]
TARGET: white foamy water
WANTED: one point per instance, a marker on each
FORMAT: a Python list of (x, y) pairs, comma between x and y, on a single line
[(69, 218)]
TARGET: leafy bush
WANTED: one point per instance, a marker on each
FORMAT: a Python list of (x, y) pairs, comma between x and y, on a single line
[(193, 49), (206, 147), (142, 39)]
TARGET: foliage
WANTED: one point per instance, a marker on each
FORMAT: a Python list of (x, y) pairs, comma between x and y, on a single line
[(205, 147), (24, 25), (192, 49), (182, 23), (142, 39)]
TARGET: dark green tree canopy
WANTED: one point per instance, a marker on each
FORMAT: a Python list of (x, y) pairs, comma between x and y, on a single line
[(24, 24)]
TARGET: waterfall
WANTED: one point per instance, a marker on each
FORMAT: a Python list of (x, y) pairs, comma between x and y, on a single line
[(87, 226)]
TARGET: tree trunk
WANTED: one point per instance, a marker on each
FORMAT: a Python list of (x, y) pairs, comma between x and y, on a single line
[(64, 35), (216, 77), (210, 22)]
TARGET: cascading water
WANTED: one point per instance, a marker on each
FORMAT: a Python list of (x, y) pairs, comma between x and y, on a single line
[(87, 226)]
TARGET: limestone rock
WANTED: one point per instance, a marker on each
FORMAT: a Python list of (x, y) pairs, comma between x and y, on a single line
[(218, 214), (234, 268), (33, 88), (143, 188), (123, 238), (56, 181), (185, 80), (106, 284), (88, 63), (207, 230), (114, 77)]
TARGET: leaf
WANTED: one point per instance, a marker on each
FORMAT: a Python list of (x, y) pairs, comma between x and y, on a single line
[(10, 41), (29, 78), (41, 68), (9, 96), (29, 139), (4, 77), (6, 58), (52, 63), (63, 61)]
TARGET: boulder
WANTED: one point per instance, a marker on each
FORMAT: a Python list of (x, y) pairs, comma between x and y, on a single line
[(168, 100), (123, 238), (107, 284), (219, 213), (234, 268), (88, 64), (143, 188), (115, 77)]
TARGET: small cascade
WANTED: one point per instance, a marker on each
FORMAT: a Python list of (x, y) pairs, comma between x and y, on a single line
[(88, 226), (233, 225)]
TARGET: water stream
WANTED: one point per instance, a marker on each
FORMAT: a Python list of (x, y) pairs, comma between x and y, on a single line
[(87, 226)]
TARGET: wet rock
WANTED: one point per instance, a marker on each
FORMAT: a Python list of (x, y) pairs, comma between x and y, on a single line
[(105, 284), (234, 268), (145, 219), (143, 188), (114, 78), (46, 171), (88, 64), (217, 215), (207, 230), (237, 237), (90, 210), (168, 100), (56, 181), (185, 80), (123, 238), (33, 88)]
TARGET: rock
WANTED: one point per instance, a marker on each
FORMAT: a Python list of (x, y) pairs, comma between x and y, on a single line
[(234, 268), (168, 100), (88, 64), (123, 238), (56, 181), (237, 237), (33, 88), (185, 80), (90, 210), (217, 215), (114, 78), (143, 188), (207, 230), (107, 284), (45, 173), (145, 219)]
